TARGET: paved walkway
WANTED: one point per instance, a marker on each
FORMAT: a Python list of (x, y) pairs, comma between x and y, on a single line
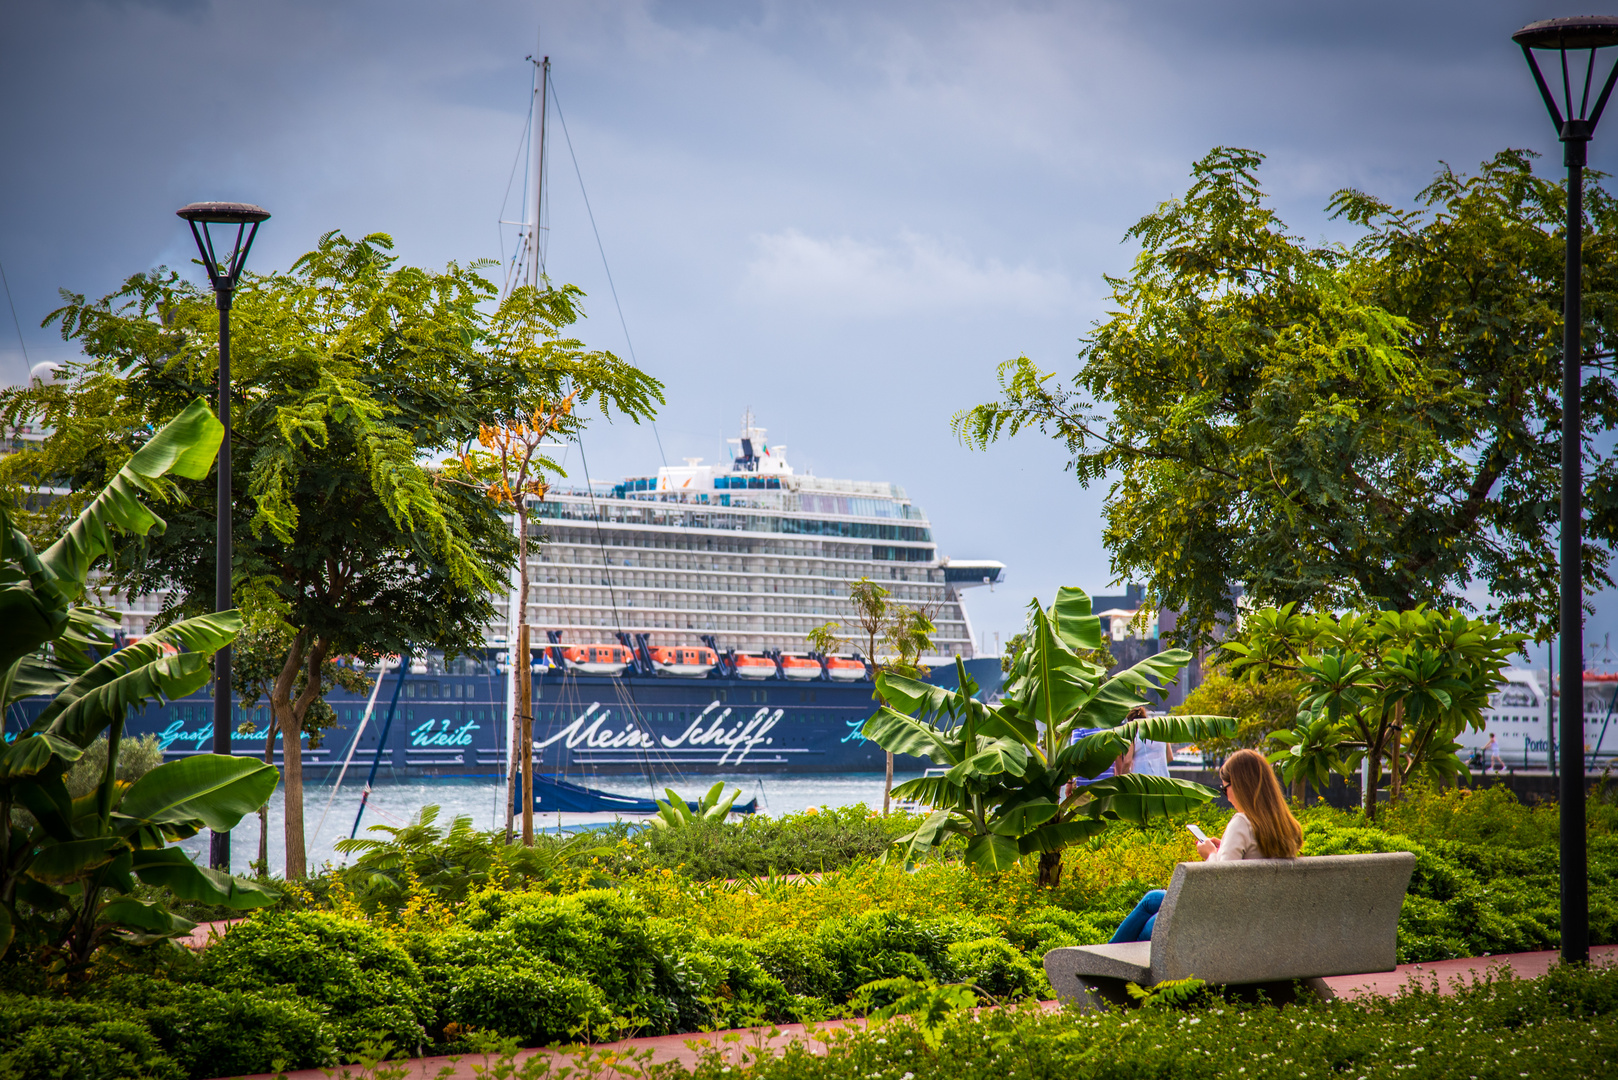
[(751, 1042)]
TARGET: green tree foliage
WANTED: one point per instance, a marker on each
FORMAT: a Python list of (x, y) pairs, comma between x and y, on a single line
[(1395, 687), (348, 372), (70, 861), (1370, 426), (1010, 789), (1259, 704)]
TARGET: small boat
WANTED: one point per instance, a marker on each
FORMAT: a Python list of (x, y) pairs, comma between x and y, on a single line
[(597, 659), (844, 670), (800, 667), (688, 662), (554, 795), (755, 667)]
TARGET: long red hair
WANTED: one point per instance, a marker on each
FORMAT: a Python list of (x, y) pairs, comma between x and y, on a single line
[(1257, 793)]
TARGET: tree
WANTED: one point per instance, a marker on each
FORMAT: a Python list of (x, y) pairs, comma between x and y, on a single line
[(69, 859), (349, 372), (1010, 788), (904, 633), (510, 470), (1347, 428), (1394, 686)]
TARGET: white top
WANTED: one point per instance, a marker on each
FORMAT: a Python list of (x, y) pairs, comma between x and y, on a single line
[(1151, 758), (1239, 842)]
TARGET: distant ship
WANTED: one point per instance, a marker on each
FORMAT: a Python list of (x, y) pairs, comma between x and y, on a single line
[(676, 607)]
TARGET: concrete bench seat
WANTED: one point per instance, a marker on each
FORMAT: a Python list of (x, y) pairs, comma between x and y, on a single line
[(1258, 922)]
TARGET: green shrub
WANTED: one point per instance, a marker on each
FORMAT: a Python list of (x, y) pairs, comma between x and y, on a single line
[(995, 968), (213, 1032), (808, 842), (535, 1004), (796, 959), (1561, 1027), (104, 1050), (363, 982)]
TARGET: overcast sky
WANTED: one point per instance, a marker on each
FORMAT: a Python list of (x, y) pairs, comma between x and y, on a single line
[(842, 215)]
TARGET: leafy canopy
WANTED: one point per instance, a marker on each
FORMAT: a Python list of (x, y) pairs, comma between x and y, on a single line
[(1342, 427)]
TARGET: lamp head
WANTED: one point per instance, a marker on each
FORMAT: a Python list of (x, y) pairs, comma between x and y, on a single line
[(1573, 115), (223, 273)]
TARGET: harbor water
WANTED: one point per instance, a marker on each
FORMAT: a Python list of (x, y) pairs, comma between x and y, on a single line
[(328, 818)]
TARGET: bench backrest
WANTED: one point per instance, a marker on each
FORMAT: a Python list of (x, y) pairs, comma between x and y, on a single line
[(1259, 920)]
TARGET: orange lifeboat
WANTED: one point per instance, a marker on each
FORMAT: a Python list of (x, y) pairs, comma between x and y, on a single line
[(597, 659), (843, 669), (683, 661), (800, 667), (755, 667)]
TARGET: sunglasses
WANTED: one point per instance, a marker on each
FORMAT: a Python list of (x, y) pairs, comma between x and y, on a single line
[(1224, 785)]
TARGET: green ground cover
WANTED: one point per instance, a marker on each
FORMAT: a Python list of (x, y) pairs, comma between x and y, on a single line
[(444, 934)]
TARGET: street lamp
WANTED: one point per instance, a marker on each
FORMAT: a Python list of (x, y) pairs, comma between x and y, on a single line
[(223, 274), (1582, 34)]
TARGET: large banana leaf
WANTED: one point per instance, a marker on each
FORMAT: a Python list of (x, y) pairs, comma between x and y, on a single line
[(1137, 797), (142, 921), (900, 734), (34, 605), (929, 791), (991, 851), (1077, 627), (1059, 834), (1095, 752), (211, 788), (990, 759), (30, 753), (185, 446), (46, 797), (174, 870), (58, 864), (137, 674), (1019, 819)]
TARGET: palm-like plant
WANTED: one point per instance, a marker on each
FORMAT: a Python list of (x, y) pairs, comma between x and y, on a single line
[(1017, 779), (68, 866), (1310, 752)]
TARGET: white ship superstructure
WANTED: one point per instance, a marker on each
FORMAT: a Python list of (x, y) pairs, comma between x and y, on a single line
[(752, 553)]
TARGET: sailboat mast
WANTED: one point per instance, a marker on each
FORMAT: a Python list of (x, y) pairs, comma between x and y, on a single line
[(535, 265)]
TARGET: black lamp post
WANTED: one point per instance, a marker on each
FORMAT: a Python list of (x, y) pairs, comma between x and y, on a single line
[(1575, 121), (223, 274)]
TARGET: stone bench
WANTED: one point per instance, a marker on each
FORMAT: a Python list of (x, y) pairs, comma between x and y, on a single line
[(1257, 923)]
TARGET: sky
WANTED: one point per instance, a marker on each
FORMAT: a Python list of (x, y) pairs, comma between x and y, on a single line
[(842, 216)]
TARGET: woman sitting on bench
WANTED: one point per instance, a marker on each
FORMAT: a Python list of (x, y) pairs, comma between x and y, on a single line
[(1262, 828)]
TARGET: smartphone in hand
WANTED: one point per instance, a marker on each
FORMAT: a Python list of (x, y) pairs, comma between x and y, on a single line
[(1197, 832)]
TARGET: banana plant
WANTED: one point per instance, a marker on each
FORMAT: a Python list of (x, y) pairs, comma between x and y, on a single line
[(1017, 782), (68, 866), (679, 814)]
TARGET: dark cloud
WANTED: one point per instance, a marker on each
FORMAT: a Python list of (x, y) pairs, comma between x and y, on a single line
[(840, 214)]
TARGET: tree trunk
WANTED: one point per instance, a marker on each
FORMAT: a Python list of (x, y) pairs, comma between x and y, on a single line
[(264, 811), (525, 675), (525, 724), (887, 785), (1373, 777), (1050, 869), (1300, 788), (1397, 757), (290, 714)]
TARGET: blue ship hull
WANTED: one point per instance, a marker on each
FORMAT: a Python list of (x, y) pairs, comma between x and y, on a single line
[(585, 725)]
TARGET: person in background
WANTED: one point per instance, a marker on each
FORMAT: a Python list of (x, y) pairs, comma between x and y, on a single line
[(1491, 753), (1262, 828), (1124, 763)]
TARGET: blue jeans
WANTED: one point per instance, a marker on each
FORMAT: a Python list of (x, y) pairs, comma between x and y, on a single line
[(1139, 923)]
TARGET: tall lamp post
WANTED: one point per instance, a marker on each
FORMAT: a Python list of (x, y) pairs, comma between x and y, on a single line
[(223, 273), (1575, 120)]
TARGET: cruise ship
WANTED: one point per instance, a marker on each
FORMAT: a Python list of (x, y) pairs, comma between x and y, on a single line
[(668, 617)]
